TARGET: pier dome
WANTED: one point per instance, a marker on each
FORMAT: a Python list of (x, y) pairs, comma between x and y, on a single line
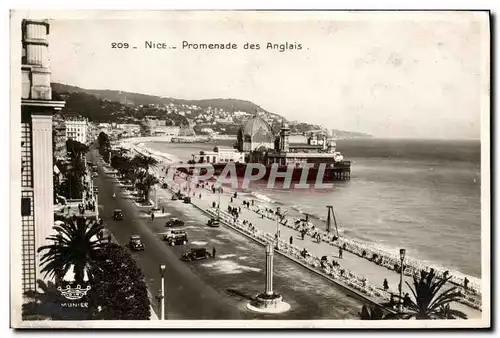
[(255, 133)]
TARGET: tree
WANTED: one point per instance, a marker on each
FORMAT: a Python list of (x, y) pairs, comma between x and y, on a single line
[(73, 245), (118, 291), (145, 185), (144, 162), (430, 301), (75, 148)]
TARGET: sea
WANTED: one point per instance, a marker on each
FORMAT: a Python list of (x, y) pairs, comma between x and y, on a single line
[(421, 195)]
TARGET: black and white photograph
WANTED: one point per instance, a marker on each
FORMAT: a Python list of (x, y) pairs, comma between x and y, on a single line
[(250, 169)]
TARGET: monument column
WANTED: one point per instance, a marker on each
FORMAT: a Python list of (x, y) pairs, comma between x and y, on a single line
[(269, 269)]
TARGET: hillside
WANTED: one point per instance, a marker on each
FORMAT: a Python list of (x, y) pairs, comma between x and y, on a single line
[(219, 115)]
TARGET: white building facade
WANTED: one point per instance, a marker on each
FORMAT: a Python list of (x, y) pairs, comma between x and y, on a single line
[(77, 128), (37, 186)]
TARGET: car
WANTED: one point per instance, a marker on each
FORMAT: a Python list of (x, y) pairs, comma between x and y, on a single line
[(135, 243), (118, 214), (174, 198), (213, 223), (174, 222), (196, 254), (164, 186), (187, 199), (176, 237), (96, 190)]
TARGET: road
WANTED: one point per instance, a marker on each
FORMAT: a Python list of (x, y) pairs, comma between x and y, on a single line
[(217, 288)]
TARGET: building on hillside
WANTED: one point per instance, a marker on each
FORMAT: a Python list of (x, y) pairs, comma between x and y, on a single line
[(59, 136), (37, 186), (166, 131), (76, 127)]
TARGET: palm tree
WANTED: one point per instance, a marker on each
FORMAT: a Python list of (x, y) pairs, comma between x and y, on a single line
[(73, 245), (146, 183), (145, 162), (430, 301)]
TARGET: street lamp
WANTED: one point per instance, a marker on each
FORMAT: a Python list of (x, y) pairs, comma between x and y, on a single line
[(161, 296), (402, 253)]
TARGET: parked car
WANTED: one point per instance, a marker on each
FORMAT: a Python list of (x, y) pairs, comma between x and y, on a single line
[(196, 254), (135, 243), (174, 198), (164, 185), (176, 237), (213, 223), (187, 199), (118, 214), (174, 222)]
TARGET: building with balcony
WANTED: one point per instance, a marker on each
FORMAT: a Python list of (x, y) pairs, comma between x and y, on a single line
[(59, 136), (37, 109), (77, 127)]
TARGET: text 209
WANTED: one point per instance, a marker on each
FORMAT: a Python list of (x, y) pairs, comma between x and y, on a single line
[(119, 45)]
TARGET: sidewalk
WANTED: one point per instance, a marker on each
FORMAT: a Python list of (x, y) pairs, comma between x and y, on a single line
[(373, 273)]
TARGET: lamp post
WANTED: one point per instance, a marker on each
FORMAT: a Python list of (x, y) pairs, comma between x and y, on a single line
[(402, 253), (161, 296)]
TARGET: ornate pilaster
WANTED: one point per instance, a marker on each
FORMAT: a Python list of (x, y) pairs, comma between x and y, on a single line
[(43, 185)]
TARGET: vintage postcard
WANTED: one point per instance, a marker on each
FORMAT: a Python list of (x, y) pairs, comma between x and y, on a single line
[(243, 169)]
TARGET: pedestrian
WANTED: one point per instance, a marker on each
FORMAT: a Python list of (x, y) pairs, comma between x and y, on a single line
[(302, 234), (213, 252), (213, 204), (340, 253), (163, 210), (386, 284), (291, 240), (235, 194), (252, 202), (200, 196), (239, 209), (152, 216), (231, 200), (466, 282)]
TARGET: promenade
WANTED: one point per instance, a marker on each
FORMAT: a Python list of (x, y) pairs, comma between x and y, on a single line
[(360, 268)]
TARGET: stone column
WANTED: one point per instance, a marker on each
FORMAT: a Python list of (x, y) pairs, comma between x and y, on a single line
[(269, 269), (43, 185)]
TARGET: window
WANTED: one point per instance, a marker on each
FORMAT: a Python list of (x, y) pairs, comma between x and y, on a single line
[(26, 206)]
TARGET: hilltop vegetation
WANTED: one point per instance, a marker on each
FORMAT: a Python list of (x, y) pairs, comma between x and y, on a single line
[(209, 115)]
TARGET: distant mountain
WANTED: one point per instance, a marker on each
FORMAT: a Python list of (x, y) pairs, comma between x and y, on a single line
[(119, 106), (230, 105)]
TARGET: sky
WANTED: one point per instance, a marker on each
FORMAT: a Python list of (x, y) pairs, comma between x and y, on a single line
[(394, 74)]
